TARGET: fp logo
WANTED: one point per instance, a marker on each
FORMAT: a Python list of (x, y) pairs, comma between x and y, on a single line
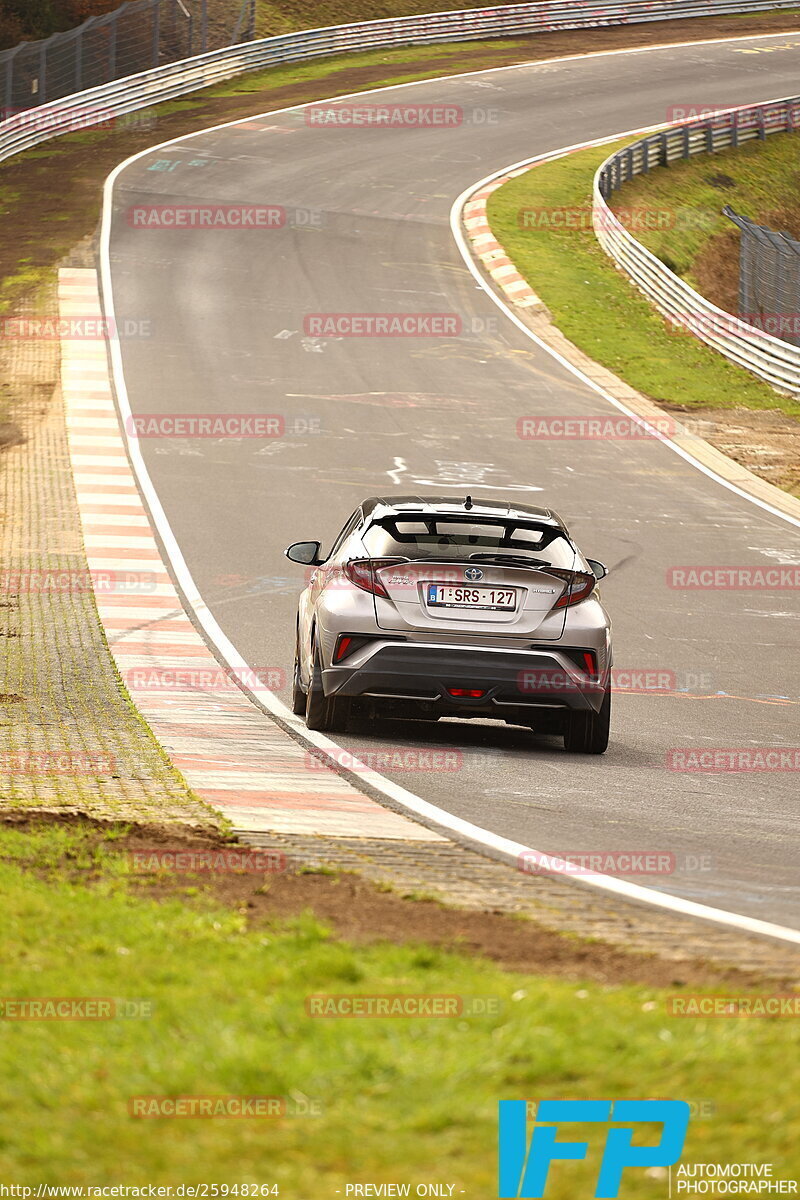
[(473, 573), (523, 1171)]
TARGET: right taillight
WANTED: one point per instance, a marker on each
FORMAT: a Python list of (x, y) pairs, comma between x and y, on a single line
[(362, 572), (580, 584)]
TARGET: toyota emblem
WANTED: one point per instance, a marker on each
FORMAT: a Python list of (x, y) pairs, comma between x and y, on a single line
[(473, 574)]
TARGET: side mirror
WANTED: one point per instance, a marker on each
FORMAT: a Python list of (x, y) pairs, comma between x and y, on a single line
[(598, 569), (306, 553)]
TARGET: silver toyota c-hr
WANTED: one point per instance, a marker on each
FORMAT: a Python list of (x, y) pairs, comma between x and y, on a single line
[(429, 607)]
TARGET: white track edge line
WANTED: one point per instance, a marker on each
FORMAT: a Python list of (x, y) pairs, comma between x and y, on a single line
[(509, 850)]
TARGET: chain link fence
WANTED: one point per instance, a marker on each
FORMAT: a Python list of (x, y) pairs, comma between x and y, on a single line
[(769, 279), (139, 35)]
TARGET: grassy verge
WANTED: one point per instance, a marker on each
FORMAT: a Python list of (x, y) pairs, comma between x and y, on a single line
[(398, 1099), (598, 309), (288, 15), (761, 180)]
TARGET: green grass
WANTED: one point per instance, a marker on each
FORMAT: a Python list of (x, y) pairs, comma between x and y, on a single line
[(764, 179), (599, 310), (402, 1100)]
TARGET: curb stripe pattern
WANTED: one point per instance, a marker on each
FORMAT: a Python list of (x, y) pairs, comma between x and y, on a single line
[(230, 753), (489, 251)]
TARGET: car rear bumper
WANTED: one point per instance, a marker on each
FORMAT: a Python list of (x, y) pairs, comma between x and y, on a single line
[(511, 680)]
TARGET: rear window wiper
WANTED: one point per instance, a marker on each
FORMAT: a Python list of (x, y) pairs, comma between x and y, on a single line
[(515, 558)]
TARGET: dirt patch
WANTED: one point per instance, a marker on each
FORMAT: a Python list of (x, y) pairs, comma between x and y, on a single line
[(716, 267), (362, 913), (767, 443), (716, 270)]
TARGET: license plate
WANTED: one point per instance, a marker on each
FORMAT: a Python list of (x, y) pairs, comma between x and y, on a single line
[(445, 595)]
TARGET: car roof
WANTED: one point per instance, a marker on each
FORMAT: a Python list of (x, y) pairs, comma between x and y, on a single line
[(377, 507)]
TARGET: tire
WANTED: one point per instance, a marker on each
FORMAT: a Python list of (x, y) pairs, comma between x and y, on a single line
[(587, 732), (298, 695), (323, 713)]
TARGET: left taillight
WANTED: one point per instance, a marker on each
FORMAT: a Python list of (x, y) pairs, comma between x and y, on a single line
[(363, 573), (580, 584)]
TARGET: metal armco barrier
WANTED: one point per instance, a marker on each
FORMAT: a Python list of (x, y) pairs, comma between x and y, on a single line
[(774, 360), (120, 96)]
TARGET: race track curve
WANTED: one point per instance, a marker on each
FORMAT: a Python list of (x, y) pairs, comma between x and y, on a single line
[(368, 231)]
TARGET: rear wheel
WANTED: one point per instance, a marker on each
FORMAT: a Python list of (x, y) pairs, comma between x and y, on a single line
[(587, 732), (324, 713)]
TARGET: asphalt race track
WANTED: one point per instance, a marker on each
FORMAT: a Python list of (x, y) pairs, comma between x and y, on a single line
[(369, 231)]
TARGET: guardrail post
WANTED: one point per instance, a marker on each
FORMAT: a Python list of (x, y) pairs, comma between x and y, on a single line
[(762, 127), (156, 30), (687, 142), (735, 131), (710, 137), (664, 149), (79, 60), (9, 95), (41, 82)]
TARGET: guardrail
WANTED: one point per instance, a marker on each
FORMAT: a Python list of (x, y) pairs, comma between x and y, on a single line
[(121, 96), (774, 360)]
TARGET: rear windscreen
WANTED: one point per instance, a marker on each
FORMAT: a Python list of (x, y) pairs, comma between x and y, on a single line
[(452, 537)]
